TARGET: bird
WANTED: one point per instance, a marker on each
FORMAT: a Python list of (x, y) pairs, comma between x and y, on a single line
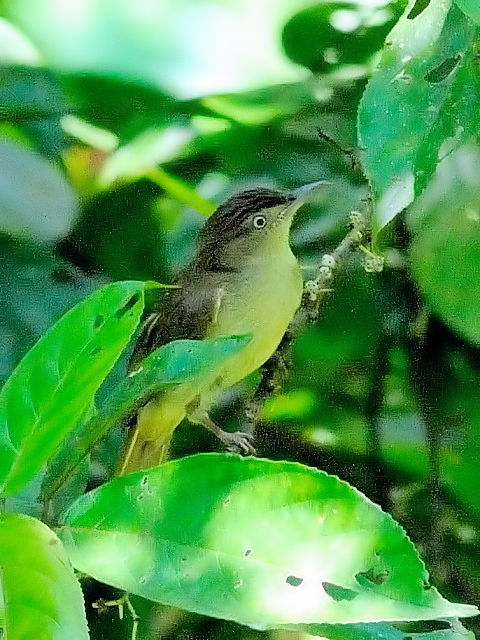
[(243, 279)]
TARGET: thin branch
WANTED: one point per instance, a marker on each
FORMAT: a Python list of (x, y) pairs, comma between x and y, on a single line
[(102, 605), (350, 153)]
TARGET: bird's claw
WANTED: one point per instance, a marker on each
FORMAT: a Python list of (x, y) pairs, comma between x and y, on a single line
[(240, 442)]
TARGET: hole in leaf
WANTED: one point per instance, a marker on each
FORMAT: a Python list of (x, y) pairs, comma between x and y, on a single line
[(427, 586), (143, 580), (375, 577), (418, 8), (338, 593), (238, 583), (131, 302), (226, 502), (95, 351), (99, 320), (247, 553), (143, 481), (293, 581), (443, 70)]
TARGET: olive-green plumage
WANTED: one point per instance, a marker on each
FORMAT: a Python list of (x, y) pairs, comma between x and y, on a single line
[(243, 279)]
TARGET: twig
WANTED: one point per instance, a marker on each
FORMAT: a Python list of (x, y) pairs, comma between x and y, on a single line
[(315, 295), (350, 153), (102, 605)]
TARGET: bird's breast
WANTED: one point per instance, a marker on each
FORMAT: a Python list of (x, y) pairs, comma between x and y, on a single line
[(260, 300)]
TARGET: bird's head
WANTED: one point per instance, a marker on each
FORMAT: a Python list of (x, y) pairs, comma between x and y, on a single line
[(252, 223)]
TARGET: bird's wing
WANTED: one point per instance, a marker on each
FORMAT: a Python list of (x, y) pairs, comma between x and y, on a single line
[(187, 312)]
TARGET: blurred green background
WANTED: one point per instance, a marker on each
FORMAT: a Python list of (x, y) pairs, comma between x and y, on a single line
[(121, 122)]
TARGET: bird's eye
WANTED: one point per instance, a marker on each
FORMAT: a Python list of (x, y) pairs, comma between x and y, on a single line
[(259, 222)]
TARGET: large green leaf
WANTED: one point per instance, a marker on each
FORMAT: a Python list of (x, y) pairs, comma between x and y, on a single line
[(445, 251), (421, 103), (56, 381), (35, 199), (259, 542), (453, 630), (41, 595), (174, 363)]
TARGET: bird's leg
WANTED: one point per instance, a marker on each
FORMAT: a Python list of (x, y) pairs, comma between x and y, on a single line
[(238, 442)]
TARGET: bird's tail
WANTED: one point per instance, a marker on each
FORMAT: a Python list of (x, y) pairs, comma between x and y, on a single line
[(148, 442)]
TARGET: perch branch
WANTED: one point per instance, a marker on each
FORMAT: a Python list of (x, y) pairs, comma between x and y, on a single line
[(102, 605)]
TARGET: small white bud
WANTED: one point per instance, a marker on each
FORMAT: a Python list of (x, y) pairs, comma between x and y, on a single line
[(368, 264), (312, 288), (378, 263), (328, 261), (325, 273), (356, 218)]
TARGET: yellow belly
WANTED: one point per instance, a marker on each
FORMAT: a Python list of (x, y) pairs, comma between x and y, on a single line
[(262, 302)]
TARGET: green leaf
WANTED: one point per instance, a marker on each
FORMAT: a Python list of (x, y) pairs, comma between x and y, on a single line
[(56, 381), (41, 594), (445, 252), (35, 199), (411, 113), (139, 156), (326, 35), (181, 191), (174, 363), (471, 8), (260, 542), (453, 630)]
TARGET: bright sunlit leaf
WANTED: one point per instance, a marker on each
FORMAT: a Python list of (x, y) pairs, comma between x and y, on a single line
[(259, 542), (41, 595), (56, 381)]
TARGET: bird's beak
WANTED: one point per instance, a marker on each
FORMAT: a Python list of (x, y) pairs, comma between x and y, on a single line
[(302, 194)]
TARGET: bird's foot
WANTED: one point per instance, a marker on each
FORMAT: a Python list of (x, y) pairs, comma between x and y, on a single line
[(239, 442)]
